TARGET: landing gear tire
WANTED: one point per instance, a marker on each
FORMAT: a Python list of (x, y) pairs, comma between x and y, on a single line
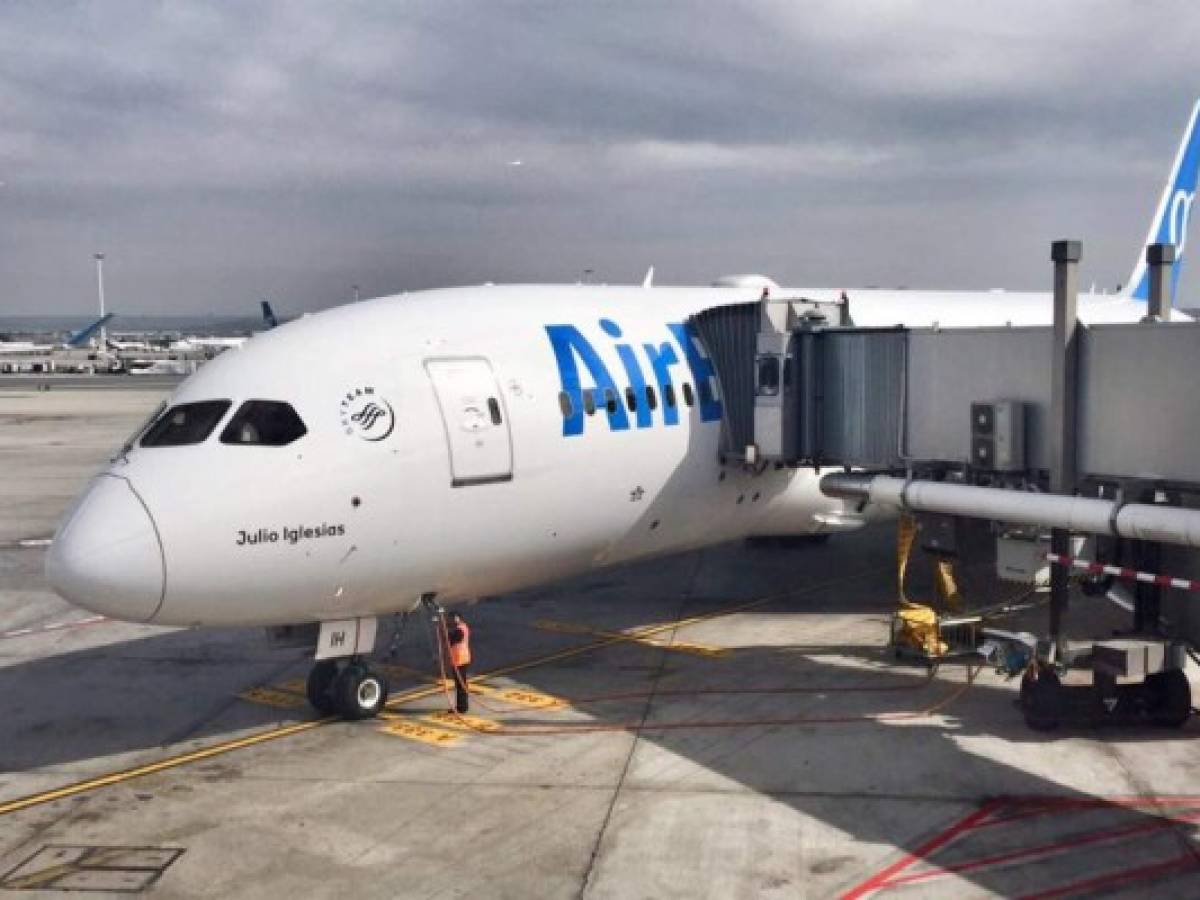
[(358, 692), (1041, 698), (1171, 697), (319, 686)]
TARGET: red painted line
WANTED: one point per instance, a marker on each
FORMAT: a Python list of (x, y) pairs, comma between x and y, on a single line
[(1079, 840), (1186, 861), (938, 841), (1068, 806)]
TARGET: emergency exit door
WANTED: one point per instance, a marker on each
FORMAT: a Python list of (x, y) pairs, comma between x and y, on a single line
[(477, 433)]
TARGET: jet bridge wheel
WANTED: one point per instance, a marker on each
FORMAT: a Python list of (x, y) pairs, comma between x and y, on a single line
[(358, 692), (1170, 697), (1041, 698)]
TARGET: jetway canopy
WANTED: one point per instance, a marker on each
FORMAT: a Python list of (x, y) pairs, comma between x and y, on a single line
[(874, 398)]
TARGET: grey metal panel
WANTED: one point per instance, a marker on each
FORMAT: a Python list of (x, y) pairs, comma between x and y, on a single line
[(729, 335), (1139, 413), (950, 369), (863, 393)]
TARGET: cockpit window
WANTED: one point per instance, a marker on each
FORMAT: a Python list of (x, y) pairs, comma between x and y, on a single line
[(187, 423), (264, 423)]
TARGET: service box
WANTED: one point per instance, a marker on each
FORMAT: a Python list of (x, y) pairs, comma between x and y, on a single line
[(1022, 557)]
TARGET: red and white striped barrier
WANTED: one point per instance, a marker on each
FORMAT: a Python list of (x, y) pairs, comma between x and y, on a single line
[(1095, 568)]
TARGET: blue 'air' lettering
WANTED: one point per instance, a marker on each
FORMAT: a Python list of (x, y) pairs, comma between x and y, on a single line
[(583, 372)]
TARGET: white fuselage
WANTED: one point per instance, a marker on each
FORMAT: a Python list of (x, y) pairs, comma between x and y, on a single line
[(479, 485)]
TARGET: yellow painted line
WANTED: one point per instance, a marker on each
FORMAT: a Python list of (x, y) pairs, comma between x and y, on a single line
[(269, 696), (162, 765), (419, 731), (521, 697), (170, 762), (463, 721), (636, 637), (182, 759), (398, 671)]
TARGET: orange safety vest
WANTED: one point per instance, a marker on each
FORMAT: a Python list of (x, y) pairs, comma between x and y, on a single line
[(460, 653)]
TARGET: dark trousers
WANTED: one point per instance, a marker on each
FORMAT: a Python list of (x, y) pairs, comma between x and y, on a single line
[(461, 699)]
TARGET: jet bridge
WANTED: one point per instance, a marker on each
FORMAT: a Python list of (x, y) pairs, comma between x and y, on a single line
[(974, 400), (1067, 428)]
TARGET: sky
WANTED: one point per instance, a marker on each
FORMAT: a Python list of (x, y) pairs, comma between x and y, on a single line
[(221, 153)]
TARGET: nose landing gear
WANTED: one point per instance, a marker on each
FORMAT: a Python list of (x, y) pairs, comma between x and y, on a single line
[(350, 688)]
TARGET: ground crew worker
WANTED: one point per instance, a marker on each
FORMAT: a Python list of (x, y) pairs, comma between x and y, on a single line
[(459, 635)]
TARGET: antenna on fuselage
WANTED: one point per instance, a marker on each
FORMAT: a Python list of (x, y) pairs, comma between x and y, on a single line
[(648, 281)]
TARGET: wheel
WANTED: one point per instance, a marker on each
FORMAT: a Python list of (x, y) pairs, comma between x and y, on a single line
[(1041, 698), (359, 693), (1170, 697), (317, 688)]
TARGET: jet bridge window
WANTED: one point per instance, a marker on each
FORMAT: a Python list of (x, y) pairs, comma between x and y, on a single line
[(264, 423), (768, 376), (187, 423)]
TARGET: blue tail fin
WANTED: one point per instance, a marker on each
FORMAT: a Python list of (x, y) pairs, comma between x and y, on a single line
[(268, 314), (84, 334), (1174, 209)]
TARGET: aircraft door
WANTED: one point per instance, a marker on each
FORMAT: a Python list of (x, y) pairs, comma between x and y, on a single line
[(476, 422)]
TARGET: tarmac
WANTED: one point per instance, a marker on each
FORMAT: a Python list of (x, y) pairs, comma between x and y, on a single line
[(726, 723)]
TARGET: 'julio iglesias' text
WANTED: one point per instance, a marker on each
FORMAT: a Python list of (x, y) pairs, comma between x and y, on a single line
[(291, 535)]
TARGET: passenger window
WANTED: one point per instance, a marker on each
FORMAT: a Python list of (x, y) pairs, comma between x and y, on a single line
[(494, 411), (589, 403), (564, 403), (688, 397), (651, 399), (631, 399), (263, 423), (669, 395), (187, 423), (768, 376), (610, 401)]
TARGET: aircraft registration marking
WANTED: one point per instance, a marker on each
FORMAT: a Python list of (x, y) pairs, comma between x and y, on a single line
[(421, 732), (270, 696), (636, 638), (464, 721)]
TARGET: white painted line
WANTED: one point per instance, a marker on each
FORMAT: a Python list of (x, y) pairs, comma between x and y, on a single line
[(55, 626)]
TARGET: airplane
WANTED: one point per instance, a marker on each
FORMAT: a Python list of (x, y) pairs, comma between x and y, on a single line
[(72, 342), (218, 344), (433, 448)]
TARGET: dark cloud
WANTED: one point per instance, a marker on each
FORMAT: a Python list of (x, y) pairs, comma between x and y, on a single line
[(219, 153)]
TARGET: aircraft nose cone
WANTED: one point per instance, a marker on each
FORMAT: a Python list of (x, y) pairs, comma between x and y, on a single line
[(107, 556)]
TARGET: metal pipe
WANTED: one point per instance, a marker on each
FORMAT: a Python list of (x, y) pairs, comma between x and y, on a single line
[(1139, 521)]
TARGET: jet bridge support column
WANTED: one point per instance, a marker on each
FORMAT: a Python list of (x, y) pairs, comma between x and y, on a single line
[(1159, 260), (1147, 556), (1062, 424)]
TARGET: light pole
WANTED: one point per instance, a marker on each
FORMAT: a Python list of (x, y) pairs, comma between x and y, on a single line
[(99, 257)]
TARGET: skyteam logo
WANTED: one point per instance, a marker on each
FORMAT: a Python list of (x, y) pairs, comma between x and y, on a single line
[(365, 413), (592, 390)]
